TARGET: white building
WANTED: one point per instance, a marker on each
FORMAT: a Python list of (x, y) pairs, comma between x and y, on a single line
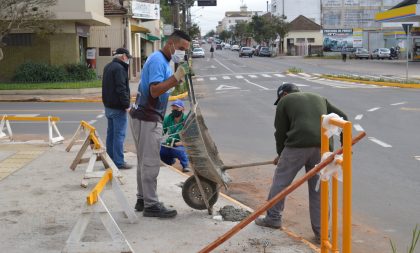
[(234, 17), (292, 9)]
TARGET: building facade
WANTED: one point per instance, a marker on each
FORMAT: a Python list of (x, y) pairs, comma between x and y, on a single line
[(235, 17), (291, 9)]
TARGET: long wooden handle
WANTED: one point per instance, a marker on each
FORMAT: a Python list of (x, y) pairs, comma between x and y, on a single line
[(235, 166), (281, 195)]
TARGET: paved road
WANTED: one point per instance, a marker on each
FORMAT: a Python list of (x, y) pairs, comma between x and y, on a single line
[(236, 97)]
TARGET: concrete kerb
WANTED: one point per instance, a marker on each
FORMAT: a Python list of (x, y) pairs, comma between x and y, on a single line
[(386, 84)]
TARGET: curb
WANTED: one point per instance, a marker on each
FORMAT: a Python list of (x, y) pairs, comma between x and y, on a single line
[(387, 84)]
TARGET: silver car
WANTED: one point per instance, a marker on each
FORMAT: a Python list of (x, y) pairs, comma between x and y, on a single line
[(381, 53), (360, 53)]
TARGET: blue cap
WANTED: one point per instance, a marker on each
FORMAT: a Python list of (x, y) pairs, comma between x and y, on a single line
[(178, 103)]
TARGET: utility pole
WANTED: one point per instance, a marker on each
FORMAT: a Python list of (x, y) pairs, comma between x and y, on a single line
[(175, 14), (267, 6)]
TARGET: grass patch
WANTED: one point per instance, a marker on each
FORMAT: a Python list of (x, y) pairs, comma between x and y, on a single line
[(379, 79), (295, 70), (414, 240), (326, 57), (59, 85)]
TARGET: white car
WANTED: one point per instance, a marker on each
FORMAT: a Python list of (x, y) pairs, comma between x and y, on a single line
[(198, 52), (235, 48), (195, 45), (227, 46)]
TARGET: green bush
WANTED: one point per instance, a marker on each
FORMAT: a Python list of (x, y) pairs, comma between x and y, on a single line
[(31, 72)]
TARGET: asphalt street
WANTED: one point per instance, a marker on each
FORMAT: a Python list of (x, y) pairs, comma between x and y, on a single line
[(236, 97)]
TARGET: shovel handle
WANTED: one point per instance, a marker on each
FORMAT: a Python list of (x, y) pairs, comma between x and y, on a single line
[(229, 167)]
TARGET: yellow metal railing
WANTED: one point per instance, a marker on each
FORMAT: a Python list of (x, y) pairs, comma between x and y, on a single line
[(328, 245)]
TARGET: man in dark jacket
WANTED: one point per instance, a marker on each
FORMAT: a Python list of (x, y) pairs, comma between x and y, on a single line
[(298, 142), (116, 99)]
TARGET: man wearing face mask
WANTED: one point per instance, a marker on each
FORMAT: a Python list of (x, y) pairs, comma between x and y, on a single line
[(147, 114), (116, 99), (173, 147)]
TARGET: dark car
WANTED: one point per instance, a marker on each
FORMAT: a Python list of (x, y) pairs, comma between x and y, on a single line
[(264, 51), (219, 47), (246, 51)]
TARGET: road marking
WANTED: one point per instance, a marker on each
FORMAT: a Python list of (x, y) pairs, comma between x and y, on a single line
[(265, 75), (223, 65), (358, 128), (292, 75), (239, 77), (304, 74), (316, 74), (213, 78), (253, 76), (374, 109), (301, 85), (200, 79), (26, 115), (208, 59), (262, 87), (400, 103), (226, 87), (100, 116), (92, 122), (409, 109), (279, 75), (226, 78), (381, 143), (417, 157), (358, 117), (213, 67)]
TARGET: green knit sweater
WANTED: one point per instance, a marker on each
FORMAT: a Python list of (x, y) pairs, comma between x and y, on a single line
[(172, 128), (298, 120)]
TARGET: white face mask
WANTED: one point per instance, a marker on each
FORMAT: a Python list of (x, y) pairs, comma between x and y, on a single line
[(178, 55)]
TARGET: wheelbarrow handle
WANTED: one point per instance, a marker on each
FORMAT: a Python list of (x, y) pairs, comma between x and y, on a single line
[(229, 167)]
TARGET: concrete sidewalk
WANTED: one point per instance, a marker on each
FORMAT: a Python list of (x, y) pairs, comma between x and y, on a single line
[(41, 199)]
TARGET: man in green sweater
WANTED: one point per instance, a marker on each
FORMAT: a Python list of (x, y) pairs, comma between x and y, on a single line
[(298, 142)]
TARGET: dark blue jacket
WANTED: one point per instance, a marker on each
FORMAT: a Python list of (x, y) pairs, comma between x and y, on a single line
[(115, 85)]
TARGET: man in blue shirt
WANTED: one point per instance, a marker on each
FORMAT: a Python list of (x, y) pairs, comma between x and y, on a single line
[(147, 115)]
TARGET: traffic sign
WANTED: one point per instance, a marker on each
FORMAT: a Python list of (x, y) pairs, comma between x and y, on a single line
[(407, 28), (207, 2)]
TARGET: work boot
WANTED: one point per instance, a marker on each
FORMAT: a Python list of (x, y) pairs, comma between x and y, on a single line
[(264, 222), (139, 205), (160, 211), (186, 169), (125, 166)]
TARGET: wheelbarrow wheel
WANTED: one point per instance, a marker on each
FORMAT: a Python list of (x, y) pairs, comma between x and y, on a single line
[(192, 195)]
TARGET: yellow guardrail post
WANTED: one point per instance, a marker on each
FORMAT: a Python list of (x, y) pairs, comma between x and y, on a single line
[(92, 198), (328, 245)]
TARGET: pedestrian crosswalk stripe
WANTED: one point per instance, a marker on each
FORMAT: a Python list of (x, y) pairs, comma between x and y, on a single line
[(226, 77), (213, 78), (265, 75), (292, 75), (200, 79), (304, 74), (316, 74), (239, 77), (252, 76), (279, 75)]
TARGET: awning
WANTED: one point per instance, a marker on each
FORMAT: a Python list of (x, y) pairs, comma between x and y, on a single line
[(408, 13), (139, 29), (152, 37)]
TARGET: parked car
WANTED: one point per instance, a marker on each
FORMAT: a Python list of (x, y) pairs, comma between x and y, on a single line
[(264, 51), (198, 52), (381, 53), (235, 48), (219, 47), (246, 51), (195, 45), (257, 50), (227, 46), (359, 53)]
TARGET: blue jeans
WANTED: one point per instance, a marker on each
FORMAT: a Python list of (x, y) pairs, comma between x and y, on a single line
[(168, 155), (115, 134)]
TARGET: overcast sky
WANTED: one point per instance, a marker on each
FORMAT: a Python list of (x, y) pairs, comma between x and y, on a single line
[(207, 18)]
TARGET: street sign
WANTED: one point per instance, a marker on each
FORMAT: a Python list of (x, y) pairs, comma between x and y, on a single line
[(407, 28), (207, 2)]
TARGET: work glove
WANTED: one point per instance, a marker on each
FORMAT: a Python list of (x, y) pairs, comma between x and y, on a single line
[(180, 73)]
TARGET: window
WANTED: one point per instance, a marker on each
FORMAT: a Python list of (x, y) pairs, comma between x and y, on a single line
[(19, 39), (311, 40), (104, 51), (300, 40)]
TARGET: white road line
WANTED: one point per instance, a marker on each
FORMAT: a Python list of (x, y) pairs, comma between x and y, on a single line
[(358, 117), (226, 87), (400, 103), (279, 75), (358, 127), (200, 79), (26, 115), (226, 78), (381, 143), (239, 77), (301, 85), (253, 76), (100, 116), (304, 74), (316, 74), (213, 78), (223, 65), (292, 75), (262, 87), (374, 109), (417, 157), (265, 75), (92, 122)]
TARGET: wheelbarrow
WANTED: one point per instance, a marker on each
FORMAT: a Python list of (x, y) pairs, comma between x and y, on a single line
[(201, 190)]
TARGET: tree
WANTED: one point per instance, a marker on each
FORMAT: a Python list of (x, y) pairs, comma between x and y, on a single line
[(25, 15), (194, 31), (225, 35), (210, 33), (240, 30), (165, 12), (280, 27)]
